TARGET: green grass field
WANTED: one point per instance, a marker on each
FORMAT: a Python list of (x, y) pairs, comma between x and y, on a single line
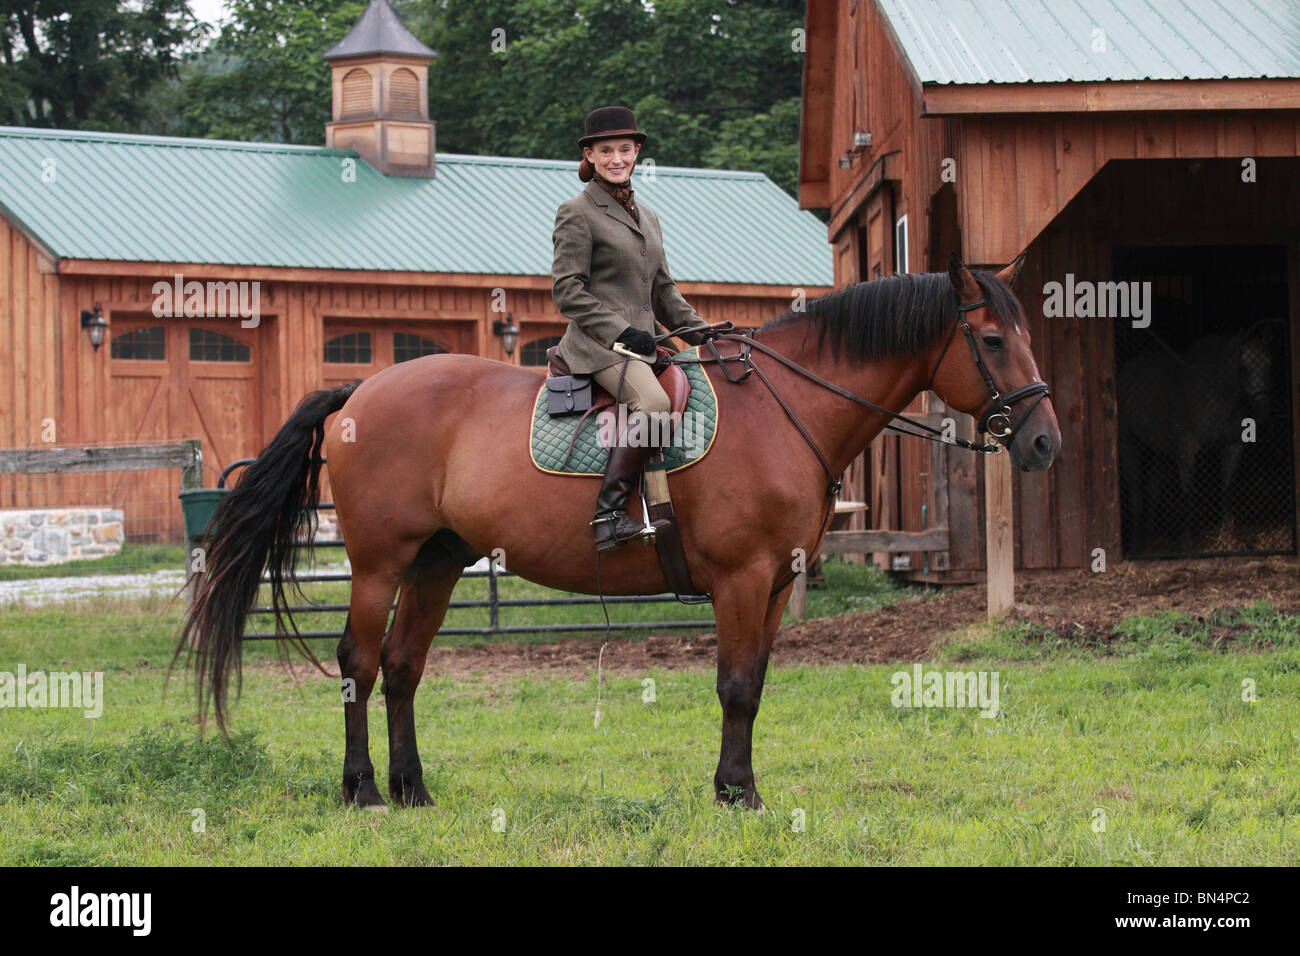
[(1153, 738)]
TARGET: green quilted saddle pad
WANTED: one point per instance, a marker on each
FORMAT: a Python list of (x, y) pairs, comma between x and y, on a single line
[(549, 437)]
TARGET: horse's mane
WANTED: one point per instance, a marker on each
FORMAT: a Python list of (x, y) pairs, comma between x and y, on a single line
[(894, 315)]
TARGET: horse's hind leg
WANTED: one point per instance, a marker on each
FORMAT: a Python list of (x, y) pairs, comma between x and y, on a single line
[(358, 657), (426, 592)]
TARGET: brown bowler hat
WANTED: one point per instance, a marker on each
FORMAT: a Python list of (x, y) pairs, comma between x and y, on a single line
[(610, 122)]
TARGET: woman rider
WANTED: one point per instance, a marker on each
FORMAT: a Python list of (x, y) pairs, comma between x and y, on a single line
[(610, 280)]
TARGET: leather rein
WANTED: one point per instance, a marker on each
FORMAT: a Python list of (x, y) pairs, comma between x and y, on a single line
[(995, 419)]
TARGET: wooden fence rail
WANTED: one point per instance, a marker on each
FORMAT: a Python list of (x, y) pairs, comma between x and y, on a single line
[(186, 455), (867, 542)]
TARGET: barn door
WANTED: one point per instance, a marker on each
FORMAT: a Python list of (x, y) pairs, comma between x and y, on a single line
[(217, 396), (172, 379)]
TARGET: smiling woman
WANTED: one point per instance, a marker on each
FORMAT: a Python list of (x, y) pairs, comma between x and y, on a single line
[(610, 280)]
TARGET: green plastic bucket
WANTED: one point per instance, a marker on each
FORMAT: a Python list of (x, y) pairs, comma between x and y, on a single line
[(199, 505)]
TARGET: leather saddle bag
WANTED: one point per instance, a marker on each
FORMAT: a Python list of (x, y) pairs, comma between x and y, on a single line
[(566, 394)]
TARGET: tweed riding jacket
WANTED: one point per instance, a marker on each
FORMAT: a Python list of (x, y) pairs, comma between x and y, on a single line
[(610, 273)]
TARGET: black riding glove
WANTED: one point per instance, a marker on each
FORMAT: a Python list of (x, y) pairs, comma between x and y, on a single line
[(640, 342)]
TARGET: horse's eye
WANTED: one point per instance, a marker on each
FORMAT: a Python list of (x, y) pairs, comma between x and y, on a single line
[(993, 342)]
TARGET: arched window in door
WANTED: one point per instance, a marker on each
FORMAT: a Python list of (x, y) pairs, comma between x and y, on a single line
[(209, 346), (534, 352), (407, 347), (350, 349), (140, 345)]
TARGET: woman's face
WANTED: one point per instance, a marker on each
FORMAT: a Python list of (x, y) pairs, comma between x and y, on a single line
[(613, 158)]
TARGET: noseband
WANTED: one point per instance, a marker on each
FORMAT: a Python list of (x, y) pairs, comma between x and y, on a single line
[(996, 417)]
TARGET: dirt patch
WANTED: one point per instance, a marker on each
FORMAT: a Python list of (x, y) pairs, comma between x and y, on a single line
[(1076, 605), (1087, 608), (1079, 606)]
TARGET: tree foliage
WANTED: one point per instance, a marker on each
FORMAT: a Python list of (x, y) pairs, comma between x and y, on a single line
[(715, 83), (89, 64)]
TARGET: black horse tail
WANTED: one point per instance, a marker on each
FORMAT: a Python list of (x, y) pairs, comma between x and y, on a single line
[(256, 527)]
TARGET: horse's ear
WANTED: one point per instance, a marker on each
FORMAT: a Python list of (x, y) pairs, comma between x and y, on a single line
[(1009, 275), (961, 278)]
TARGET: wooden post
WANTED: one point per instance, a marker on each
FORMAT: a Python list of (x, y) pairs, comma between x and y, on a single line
[(998, 529), (799, 597), (192, 474)]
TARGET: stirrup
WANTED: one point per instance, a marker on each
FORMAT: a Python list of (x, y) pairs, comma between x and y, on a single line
[(608, 538)]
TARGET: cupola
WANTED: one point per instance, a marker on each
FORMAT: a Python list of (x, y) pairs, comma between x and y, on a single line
[(381, 95)]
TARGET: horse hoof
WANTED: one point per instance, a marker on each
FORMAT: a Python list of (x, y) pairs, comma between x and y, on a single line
[(364, 796), (418, 797), (733, 795)]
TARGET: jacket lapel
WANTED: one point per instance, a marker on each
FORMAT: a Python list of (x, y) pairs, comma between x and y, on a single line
[(613, 208)]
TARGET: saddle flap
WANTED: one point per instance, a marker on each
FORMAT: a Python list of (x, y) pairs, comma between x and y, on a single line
[(674, 381)]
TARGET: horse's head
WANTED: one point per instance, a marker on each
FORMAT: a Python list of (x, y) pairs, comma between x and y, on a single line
[(1255, 366), (991, 374)]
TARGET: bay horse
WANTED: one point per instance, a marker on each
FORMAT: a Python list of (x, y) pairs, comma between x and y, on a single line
[(430, 470)]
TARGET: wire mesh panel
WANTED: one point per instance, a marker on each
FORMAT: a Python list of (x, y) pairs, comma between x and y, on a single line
[(1204, 404)]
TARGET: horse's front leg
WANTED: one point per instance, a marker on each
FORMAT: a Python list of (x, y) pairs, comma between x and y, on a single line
[(747, 616)]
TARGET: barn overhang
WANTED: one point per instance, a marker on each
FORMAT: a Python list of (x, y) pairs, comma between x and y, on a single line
[(1109, 97), (1017, 173)]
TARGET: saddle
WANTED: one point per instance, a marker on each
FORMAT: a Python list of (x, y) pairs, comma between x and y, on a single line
[(567, 393)]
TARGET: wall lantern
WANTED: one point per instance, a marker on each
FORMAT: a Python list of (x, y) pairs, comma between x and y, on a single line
[(94, 323), (508, 331)]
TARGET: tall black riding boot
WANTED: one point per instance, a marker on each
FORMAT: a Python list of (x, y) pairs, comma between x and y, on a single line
[(614, 527)]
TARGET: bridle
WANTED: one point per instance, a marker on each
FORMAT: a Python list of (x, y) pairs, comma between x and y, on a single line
[(996, 417), (995, 420)]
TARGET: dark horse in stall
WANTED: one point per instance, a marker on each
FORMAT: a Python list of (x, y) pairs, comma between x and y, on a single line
[(438, 474), (1227, 378)]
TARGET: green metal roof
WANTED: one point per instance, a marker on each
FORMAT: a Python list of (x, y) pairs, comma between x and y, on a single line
[(160, 199), (1051, 41)]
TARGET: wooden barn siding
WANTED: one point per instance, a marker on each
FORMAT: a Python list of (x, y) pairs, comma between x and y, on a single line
[(1016, 173), (29, 342)]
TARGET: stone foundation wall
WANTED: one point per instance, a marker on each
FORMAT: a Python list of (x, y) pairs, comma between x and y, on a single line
[(41, 536)]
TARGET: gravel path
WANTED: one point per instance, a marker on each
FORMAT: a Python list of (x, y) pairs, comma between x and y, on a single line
[(38, 592)]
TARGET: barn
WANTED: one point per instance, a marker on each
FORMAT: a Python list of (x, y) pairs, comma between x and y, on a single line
[(1145, 148), (158, 288)]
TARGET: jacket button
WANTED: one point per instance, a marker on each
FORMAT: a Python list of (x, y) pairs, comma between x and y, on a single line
[(642, 252), (645, 278), (645, 308)]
